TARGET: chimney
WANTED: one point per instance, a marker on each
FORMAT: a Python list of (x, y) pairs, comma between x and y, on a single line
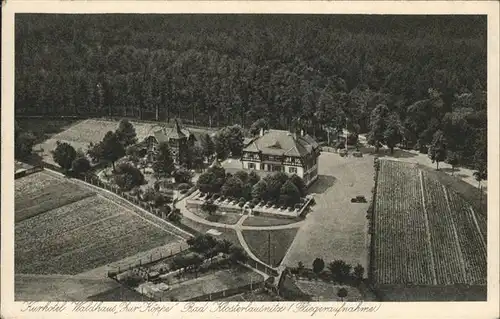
[(261, 132)]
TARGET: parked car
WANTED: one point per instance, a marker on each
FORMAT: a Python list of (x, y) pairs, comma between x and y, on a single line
[(358, 199)]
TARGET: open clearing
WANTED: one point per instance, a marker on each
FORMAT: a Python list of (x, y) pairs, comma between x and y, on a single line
[(81, 235), (336, 228), (424, 232), (81, 134), (270, 246)]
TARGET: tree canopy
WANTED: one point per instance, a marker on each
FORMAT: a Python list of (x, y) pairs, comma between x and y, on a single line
[(430, 71)]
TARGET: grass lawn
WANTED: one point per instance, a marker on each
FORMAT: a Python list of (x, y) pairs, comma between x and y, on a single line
[(268, 221), (280, 240), (43, 128), (336, 228), (226, 233), (323, 291), (228, 218), (213, 282)]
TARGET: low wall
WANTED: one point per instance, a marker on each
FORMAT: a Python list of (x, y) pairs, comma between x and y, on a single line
[(26, 172)]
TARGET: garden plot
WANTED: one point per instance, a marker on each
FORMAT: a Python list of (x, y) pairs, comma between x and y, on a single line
[(213, 283), (82, 236)]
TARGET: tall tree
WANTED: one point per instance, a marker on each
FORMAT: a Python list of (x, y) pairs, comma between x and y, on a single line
[(208, 147), (393, 132), (377, 125), (163, 163), (111, 149), (289, 194), (64, 154), (452, 158), (437, 151), (126, 133)]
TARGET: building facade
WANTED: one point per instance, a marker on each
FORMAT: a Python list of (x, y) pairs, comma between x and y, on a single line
[(282, 151), (179, 140)]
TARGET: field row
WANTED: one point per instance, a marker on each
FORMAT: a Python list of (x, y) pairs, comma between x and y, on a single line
[(472, 241), (89, 246), (62, 229), (400, 240), (53, 194), (446, 251), (64, 219), (424, 233)]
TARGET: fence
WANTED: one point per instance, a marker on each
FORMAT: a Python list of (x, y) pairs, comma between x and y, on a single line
[(229, 292), (262, 267), (146, 261), (127, 199)]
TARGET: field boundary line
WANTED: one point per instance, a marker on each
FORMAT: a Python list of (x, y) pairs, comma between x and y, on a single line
[(471, 210), (429, 241), (101, 190), (143, 218), (455, 234)]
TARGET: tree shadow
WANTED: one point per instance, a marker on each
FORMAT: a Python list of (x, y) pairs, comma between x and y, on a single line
[(461, 175), (450, 170), (322, 184), (398, 153)]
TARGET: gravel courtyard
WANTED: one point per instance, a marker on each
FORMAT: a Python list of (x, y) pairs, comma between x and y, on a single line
[(336, 228)]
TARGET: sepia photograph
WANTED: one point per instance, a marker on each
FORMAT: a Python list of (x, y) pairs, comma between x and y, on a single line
[(250, 157)]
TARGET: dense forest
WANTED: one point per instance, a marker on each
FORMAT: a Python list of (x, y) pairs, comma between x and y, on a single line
[(423, 74)]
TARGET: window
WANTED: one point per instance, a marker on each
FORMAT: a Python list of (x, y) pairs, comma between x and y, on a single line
[(292, 170), (276, 168), (251, 165)]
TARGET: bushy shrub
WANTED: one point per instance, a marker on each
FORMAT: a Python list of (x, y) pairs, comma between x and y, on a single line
[(159, 200), (255, 201), (149, 194), (251, 205), (290, 209), (298, 206), (242, 200), (262, 203), (241, 204), (127, 176), (183, 186), (256, 212), (215, 196)]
